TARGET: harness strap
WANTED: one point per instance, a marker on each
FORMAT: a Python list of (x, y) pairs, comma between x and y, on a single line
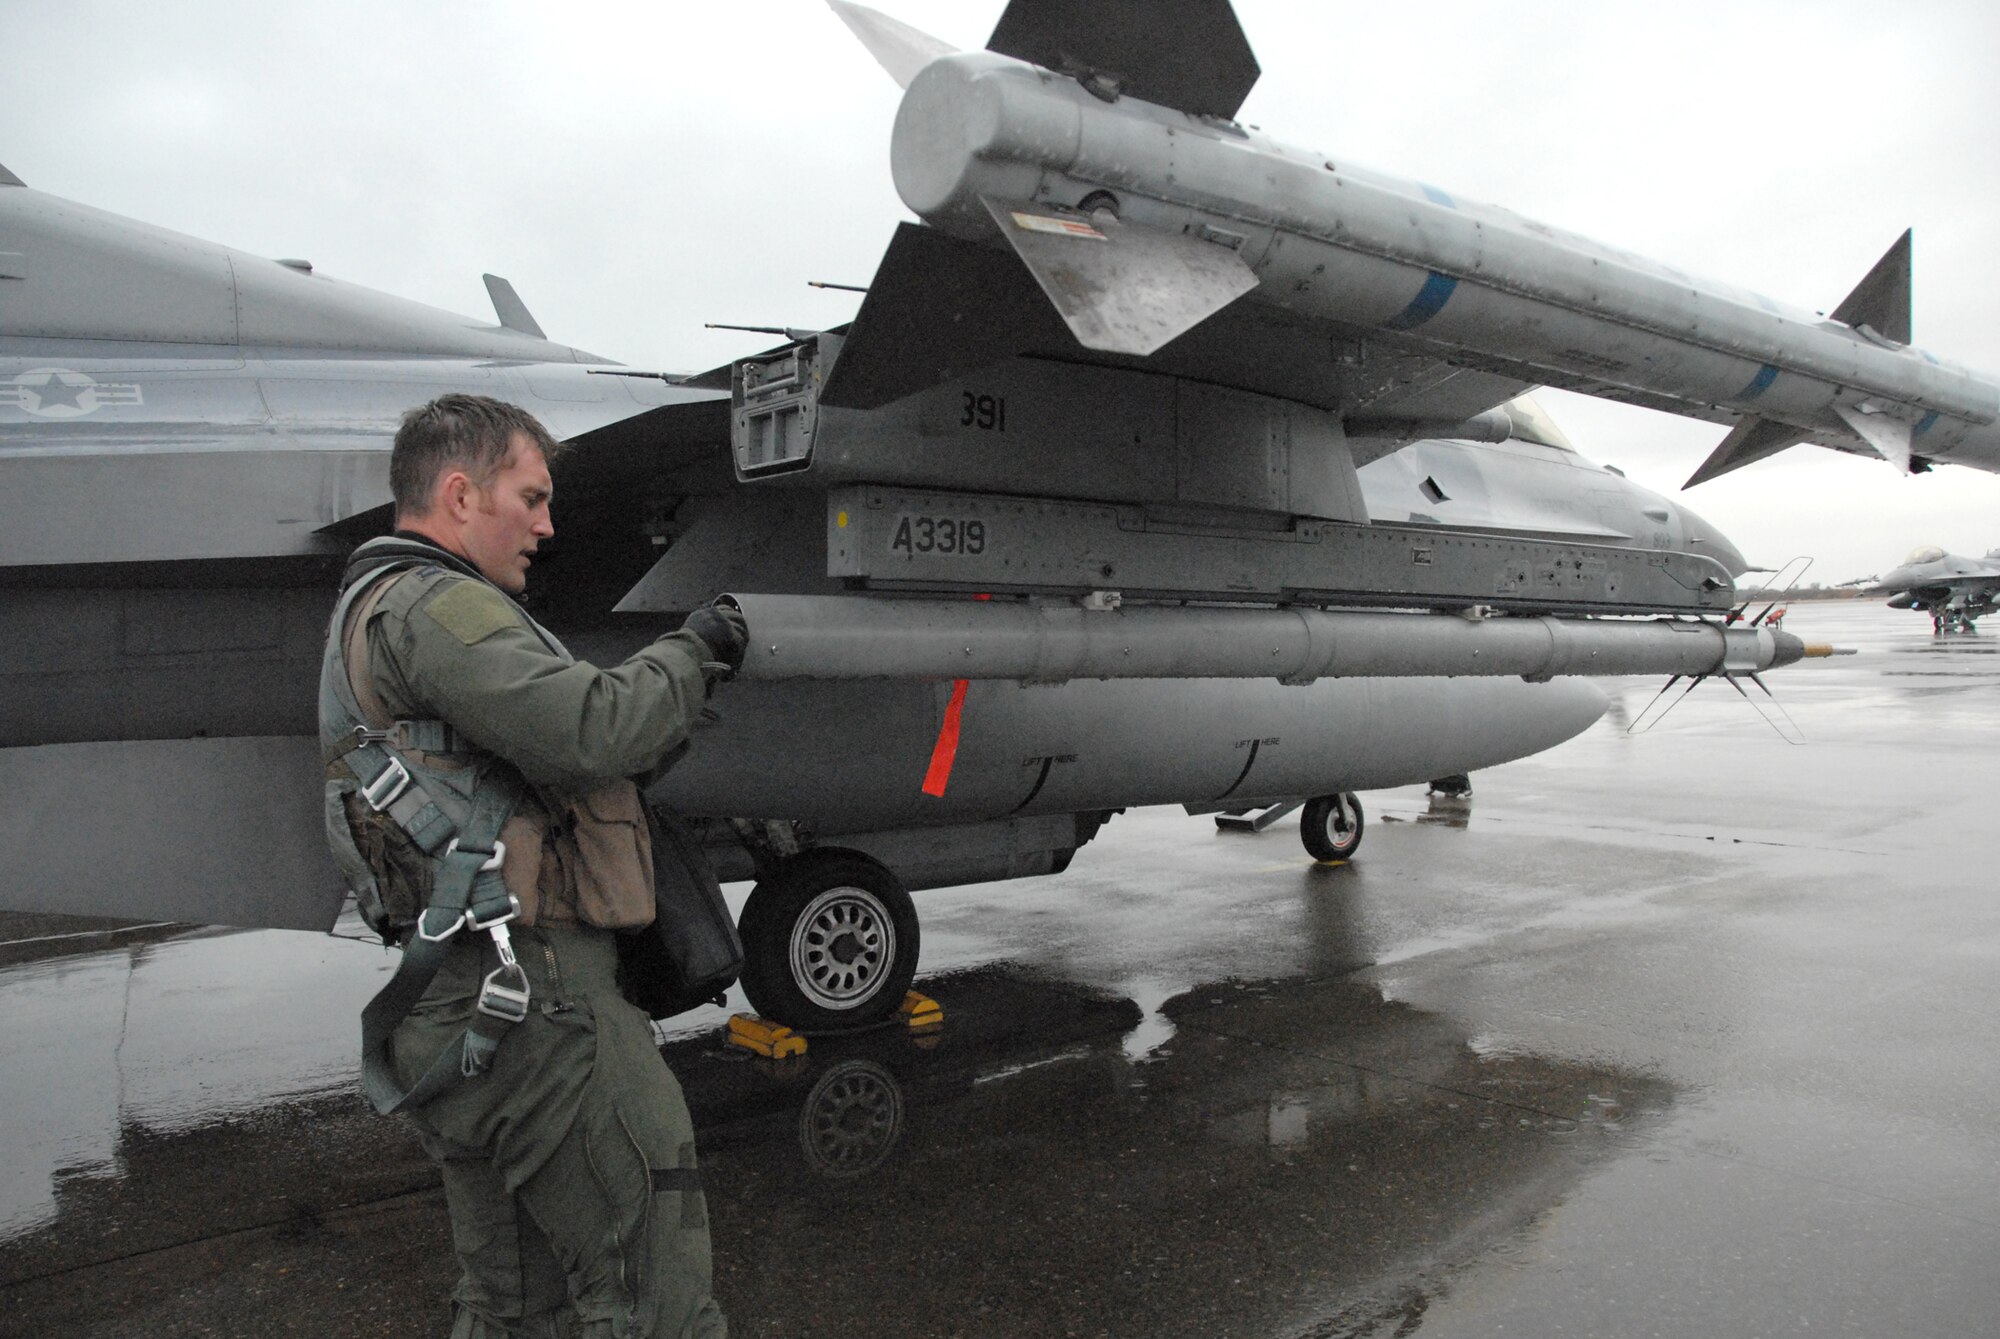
[(429, 737), (467, 890), (372, 751), (467, 893), (407, 736), (354, 650)]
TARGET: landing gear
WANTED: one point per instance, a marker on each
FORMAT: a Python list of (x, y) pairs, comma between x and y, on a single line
[(1331, 826), (829, 942)]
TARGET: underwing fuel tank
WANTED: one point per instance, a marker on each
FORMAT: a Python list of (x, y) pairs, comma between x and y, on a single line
[(1139, 221), (855, 754)]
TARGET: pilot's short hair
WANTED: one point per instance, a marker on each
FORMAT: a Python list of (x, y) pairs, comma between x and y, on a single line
[(469, 432)]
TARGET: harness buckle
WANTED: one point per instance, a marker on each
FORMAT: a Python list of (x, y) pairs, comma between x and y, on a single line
[(496, 924), (384, 789), (442, 935), (509, 1002), (506, 1003), (493, 861)]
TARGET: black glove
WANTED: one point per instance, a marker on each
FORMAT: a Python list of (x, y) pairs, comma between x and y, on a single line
[(721, 627)]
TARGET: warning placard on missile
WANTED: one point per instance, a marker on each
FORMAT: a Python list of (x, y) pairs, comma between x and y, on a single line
[(1062, 227)]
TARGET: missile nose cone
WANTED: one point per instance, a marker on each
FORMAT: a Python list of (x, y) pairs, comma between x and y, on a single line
[(1789, 650), (975, 123)]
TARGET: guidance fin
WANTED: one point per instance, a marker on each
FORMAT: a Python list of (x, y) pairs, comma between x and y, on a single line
[(1888, 435), (1190, 55), (1750, 440), (895, 45), (1121, 287), (507, 305), (938, 307), (1881, 302)]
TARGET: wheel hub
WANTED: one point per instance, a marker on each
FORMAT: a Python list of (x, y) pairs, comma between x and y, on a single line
[(852, 1118), (842, 947)]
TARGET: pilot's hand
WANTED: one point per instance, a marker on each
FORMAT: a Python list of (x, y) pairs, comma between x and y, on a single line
[(722, 629)]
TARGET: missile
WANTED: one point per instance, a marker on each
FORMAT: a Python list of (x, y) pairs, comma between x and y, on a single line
[(845, 637), (1140, 219)]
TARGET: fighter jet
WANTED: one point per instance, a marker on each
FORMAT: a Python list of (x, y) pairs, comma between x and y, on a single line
[(1954, 591), (1057, 526)]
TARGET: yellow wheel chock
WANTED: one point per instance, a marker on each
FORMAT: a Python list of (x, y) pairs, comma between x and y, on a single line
[(764, 1037), (921, 1011)]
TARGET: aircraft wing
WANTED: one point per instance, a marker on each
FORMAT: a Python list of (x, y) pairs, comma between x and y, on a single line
[(279, 461)]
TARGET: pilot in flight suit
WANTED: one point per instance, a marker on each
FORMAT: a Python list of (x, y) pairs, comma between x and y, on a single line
[(566, 1148)]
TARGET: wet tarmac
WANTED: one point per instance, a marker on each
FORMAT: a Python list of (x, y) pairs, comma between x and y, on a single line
[(1689, 1033)]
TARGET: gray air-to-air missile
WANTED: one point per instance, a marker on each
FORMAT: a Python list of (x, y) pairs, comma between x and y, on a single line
[(1007, 572), (1953, 590), (1110, 163)]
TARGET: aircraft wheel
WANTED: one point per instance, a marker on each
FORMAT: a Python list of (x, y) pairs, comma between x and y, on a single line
[(829, 942), (1331, 826)]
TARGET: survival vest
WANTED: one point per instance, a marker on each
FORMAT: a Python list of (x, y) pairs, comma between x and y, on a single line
[(449, 801), (420, 822)]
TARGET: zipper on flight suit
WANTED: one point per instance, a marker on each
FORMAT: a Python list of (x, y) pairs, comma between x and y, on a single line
[(557, 1004)]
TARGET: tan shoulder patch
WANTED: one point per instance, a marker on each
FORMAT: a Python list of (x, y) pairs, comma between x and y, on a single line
[(472, 611)]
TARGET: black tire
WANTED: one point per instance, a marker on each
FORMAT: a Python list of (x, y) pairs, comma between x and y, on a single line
[(1331, 826), (830, 942)]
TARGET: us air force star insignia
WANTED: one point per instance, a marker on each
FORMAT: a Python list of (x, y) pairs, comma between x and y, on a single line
[(55, 392)]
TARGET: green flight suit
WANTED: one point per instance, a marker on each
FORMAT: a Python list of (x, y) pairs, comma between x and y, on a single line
[(569, 1168)]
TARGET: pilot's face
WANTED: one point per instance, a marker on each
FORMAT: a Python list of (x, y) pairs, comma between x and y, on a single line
[(507, 522)]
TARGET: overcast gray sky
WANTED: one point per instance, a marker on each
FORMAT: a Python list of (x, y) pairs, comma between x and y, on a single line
[(637, 169)]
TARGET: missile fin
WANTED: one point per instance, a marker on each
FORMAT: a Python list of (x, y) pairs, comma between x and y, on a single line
[(895, 45), (1889, 436), (1750, 440), (8, 178), (1882, 300), (1121, 287), (1190, 55), (938, 307)]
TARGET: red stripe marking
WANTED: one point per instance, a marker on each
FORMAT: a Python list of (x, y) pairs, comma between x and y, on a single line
[(947, 742)]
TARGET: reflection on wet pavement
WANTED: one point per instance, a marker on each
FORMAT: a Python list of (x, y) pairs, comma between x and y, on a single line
[(1300, 1151), (164, 1036), (1304, 1153)]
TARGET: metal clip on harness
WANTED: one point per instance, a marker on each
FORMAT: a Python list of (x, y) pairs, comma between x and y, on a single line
[(506, 1001), (384, 789), (470, 918)]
